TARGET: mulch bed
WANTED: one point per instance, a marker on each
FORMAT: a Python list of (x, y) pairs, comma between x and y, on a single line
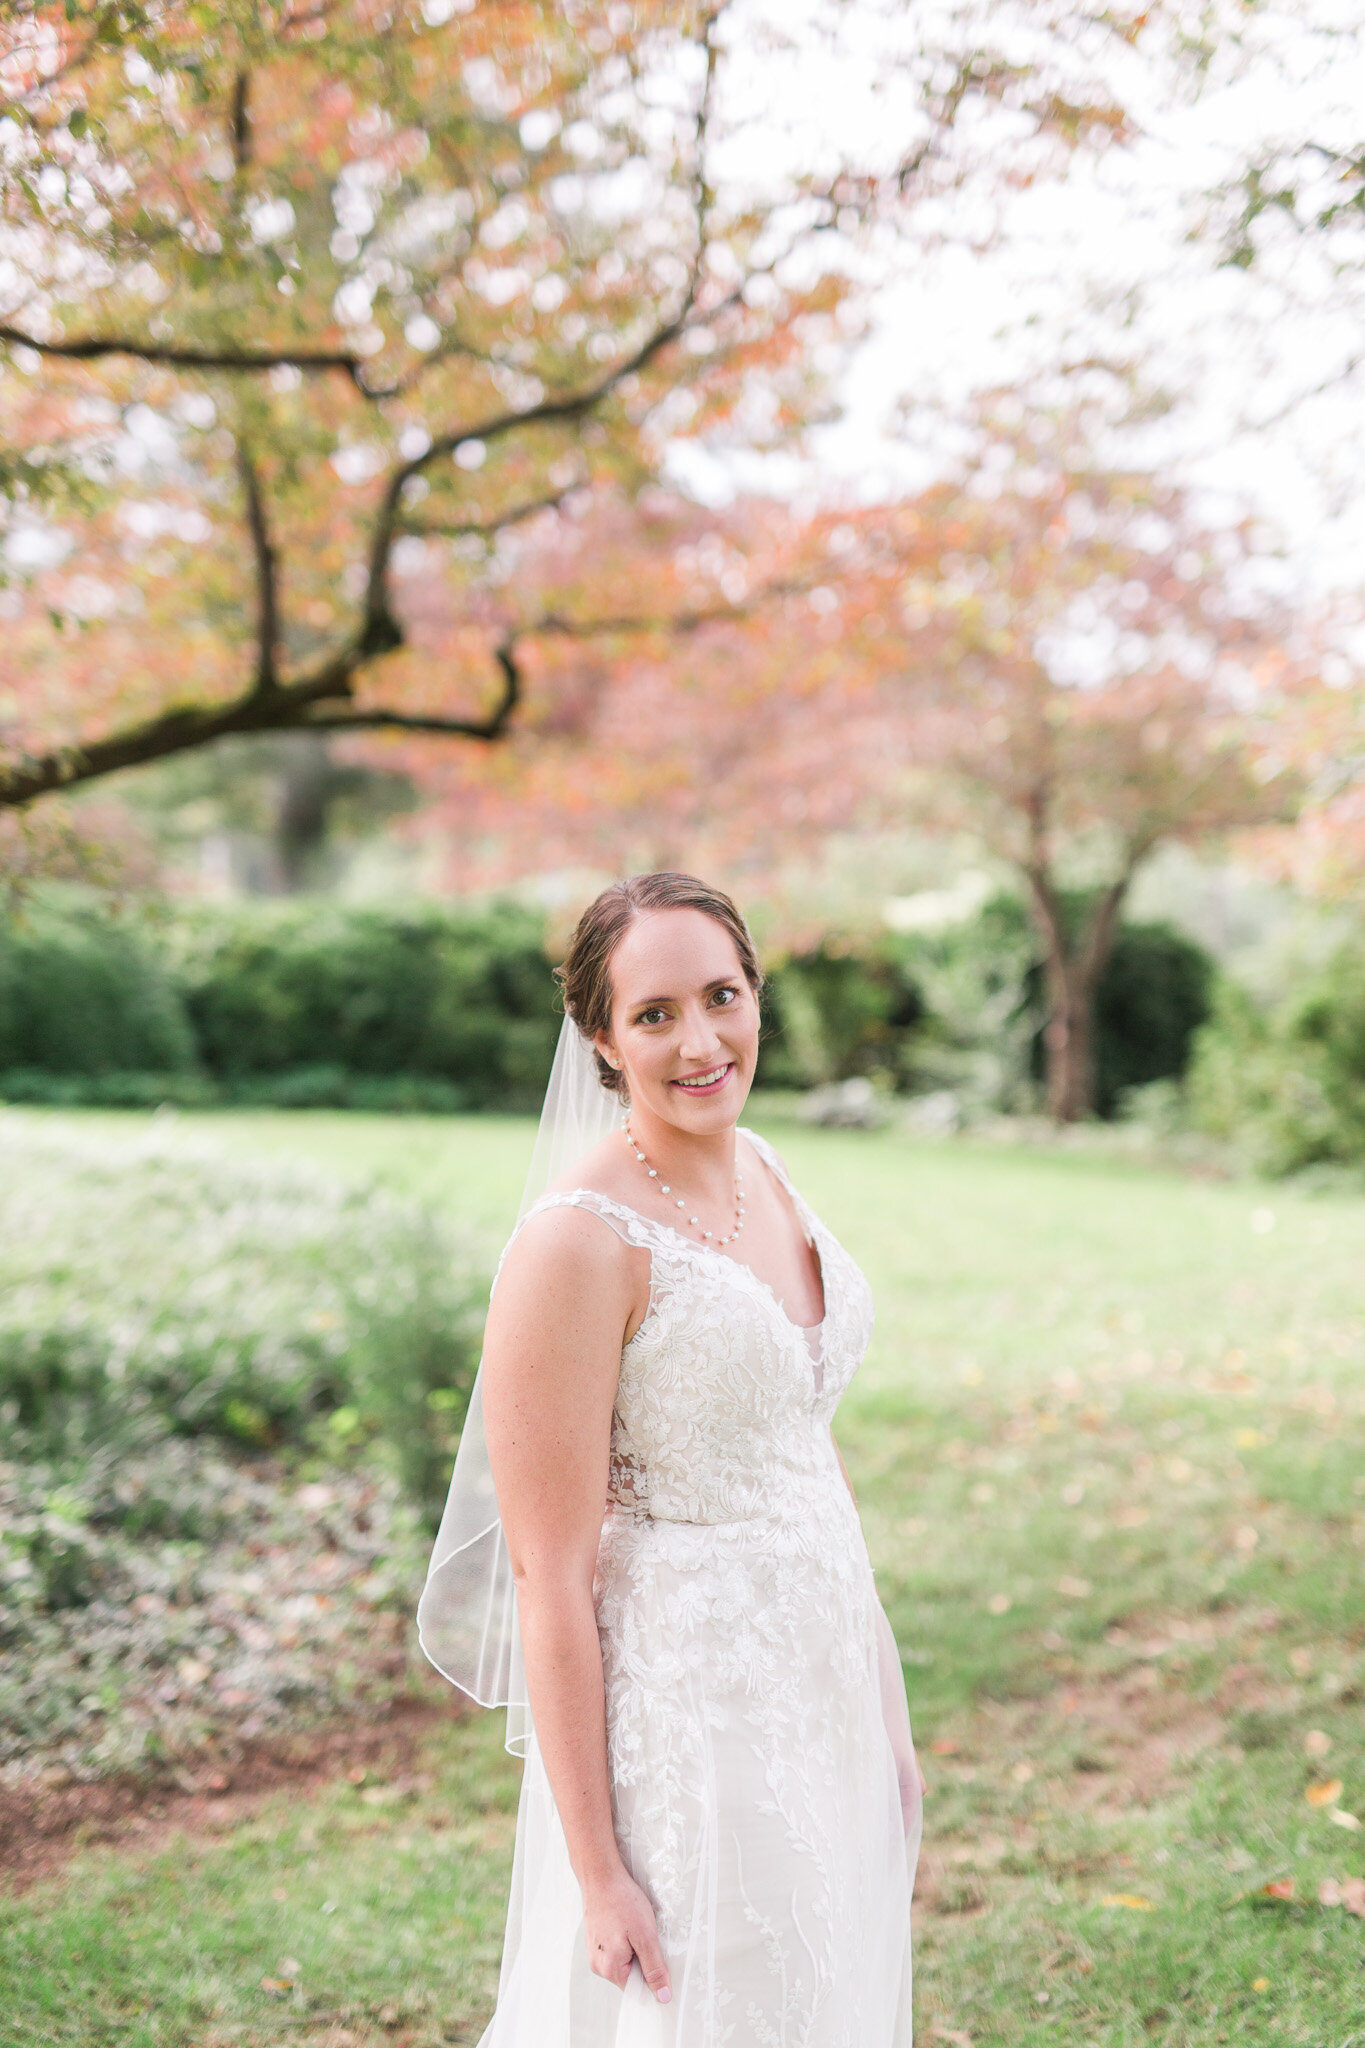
[(45, 1821)]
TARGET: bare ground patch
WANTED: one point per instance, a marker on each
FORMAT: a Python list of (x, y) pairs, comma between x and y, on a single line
[(46, 1820)]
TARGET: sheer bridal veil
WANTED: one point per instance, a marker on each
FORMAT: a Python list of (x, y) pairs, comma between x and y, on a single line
[(467, 1616)]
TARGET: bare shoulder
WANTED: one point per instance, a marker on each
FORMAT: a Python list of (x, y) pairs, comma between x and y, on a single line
[(562, 1245)]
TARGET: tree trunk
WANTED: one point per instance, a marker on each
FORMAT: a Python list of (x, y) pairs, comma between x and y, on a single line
[(1069, 1043), (1072, 970)]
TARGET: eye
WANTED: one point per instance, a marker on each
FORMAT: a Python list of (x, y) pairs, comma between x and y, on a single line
[(655, 1016), (726, 996)]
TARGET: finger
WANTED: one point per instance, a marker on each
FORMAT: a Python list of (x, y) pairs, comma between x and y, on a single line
[(650, 1957), (612, 1961)]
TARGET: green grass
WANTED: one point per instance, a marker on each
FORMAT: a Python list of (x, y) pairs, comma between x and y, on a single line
[(1108, 1446)]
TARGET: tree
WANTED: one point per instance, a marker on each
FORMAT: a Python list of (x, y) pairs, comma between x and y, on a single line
[(1049, 651), (299, 298)]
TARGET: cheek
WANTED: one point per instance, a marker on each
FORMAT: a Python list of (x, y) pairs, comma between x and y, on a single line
[(740, 1026)]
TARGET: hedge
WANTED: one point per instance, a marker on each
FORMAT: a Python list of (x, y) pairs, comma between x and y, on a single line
[(304, 1004), (463, 997), (1287, 1082), (316, 1004), (85, 993)]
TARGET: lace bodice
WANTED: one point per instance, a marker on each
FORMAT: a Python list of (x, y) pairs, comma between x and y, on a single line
[(723, 1405)]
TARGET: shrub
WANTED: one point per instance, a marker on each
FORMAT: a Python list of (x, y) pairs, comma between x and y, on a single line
[(836, 1011), (162, 1292), (83, 992), (297, 988), (962, 1008), (1153, 996), (153, 1604), (229, 1401), (1288, 1083)]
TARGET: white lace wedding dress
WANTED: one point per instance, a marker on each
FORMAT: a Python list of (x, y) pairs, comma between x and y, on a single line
[(759, 1746)]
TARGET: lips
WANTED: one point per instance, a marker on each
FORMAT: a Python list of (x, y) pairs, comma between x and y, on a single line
[(709, 1083)]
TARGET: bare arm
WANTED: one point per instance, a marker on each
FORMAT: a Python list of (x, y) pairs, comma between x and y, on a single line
[(552, 1352)]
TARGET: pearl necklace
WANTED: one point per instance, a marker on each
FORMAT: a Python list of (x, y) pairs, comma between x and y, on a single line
[(665, 1189)]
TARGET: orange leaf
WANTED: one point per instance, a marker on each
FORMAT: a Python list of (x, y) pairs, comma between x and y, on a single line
[(1325, 1793), (943, 1745), (1278, 1888), (1132, 1901)]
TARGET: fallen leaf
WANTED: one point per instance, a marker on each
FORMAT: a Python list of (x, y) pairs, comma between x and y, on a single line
[(1074, 1589), (999, 1603), (1260, 1984), (1345, 1820), (276, 1986), (357, 1776), (1353, 1896), (1301, 1663), (1325, 1793), (1021, 1773), (290, 1968), (1278, 1888), (953, 2034), (943, 1745), (1329, 1892), (1132, 1901), (1316, 1742)]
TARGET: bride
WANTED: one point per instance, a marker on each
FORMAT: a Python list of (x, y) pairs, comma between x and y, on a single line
[(720, 1809)]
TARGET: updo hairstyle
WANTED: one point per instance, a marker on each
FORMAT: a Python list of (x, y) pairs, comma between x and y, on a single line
[(585, 976)]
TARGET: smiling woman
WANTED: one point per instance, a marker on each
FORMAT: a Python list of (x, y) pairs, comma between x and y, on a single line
[(720, 1810)]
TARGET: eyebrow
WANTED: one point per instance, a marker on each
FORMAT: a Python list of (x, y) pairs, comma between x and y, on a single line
[(652, 1002)]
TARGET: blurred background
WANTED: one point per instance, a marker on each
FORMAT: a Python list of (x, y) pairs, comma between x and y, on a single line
[(902, 463)]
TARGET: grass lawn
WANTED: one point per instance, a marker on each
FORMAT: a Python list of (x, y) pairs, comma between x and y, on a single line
[(1110, 1451)]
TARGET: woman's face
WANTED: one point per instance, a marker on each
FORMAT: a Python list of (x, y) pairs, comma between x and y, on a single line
[(684, 1020)]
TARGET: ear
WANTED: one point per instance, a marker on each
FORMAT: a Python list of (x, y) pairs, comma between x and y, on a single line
[(603, 1044)]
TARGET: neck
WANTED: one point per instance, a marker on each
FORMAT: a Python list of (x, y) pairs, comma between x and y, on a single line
[(703, 1162)]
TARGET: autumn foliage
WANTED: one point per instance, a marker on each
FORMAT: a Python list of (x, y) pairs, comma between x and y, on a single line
[(1055, 655)]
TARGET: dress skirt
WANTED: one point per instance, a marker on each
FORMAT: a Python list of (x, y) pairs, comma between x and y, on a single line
[(764, 1797)]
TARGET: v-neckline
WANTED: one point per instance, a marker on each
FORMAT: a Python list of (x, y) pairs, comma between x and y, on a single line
[(809, 1223)]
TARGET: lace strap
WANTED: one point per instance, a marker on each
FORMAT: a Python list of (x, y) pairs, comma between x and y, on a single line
[(626, 1222), (808, 1218)]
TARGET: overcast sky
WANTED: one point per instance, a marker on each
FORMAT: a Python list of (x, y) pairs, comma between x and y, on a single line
[(1100, 261)]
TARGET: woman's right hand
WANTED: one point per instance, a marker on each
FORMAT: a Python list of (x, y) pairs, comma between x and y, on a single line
[(621, 1929)]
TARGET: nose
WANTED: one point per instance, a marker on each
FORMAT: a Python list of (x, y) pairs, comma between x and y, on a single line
[(700, 1040)]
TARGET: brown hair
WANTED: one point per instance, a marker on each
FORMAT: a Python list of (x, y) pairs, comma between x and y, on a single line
[(585, 976)]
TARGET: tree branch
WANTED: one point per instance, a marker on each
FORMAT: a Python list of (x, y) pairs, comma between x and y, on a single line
[(453, 529), (89, 348), (305, 705), (491, 727), (558, 410), (267, 575), (240, 123)]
